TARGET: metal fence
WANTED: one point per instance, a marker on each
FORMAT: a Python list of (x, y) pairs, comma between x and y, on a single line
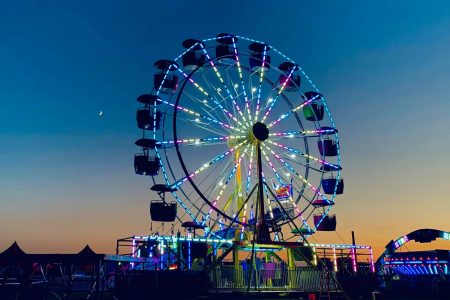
[(302, 279)]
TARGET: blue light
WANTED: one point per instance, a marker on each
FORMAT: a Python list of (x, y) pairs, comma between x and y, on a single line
[(189, 255)]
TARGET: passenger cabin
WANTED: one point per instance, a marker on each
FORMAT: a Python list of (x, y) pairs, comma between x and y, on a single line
[(289, 78), (259, 59), (328, 147), (314, 110), (147, 119), (325, 222), (146, 165), (330, 184), (225, 50), (195, 56), (163, 80), (160, 211)]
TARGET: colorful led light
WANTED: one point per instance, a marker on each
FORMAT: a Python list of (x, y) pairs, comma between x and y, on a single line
[(301, 133), (316, 190), (280, 180), (190, 111), (354, 260), (233, 171), (197, 141), (372, 265), (216, 71), (208, 164), (226, 112), (334, 260), (272, 104), (242, 82), (261, 76), (284, 116), (154, 106), (302, 154)]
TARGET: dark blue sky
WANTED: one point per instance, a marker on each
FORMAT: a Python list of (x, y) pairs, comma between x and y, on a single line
[(383, 66)]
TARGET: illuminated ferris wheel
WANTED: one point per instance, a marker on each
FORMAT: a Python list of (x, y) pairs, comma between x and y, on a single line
[(241, 140)]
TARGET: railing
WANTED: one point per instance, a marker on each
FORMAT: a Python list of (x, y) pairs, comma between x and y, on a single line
[(302, 279)]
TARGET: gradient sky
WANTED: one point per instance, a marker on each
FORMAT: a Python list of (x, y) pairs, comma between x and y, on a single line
[(66, 175)]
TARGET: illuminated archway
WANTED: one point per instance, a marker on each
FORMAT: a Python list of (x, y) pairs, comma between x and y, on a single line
[(425, 235)]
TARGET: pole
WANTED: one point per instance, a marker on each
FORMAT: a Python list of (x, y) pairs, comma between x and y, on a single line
[(263, 234)]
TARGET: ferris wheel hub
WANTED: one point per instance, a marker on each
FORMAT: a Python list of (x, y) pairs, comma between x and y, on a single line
[(260, 131)]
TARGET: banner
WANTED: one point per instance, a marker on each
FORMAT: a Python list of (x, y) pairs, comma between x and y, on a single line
[(284, 192)]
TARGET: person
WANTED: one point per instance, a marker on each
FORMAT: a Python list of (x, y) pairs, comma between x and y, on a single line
[(244, 266)]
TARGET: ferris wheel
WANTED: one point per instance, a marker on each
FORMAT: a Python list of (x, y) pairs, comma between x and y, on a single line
[(240, 139)]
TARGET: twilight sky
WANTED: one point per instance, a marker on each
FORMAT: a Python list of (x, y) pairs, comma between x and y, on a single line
[(66, 175)]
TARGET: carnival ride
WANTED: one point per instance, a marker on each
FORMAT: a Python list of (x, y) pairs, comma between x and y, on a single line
[(407, 271), (235, 130), (242, 140), (416, 263)]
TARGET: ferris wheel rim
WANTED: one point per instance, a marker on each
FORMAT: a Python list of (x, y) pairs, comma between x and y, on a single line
[(177, 146)]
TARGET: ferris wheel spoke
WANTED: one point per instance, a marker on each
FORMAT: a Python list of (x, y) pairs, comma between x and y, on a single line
[(261, 77), (191, 112), (299, 153), (230, 176), (208, 164), (200, 141), (193, 82), (191, 194), (280, 90), (280, 180), (288, 114), (204, 126), (301, 134), (291, 169), (213, 112), (241, 77), (249, 172), (216, 71)]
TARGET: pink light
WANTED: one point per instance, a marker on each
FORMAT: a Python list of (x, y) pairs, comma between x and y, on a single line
[(133, 250), (260, 83), (304, 180), (354, 260), (289, 113), (278, 94), (279, 178), (207, 95), (299, 153), (372, 266)]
